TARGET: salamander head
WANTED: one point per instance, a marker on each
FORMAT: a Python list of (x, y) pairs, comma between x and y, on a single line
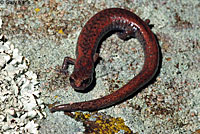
[(80, 81), (82, 76)]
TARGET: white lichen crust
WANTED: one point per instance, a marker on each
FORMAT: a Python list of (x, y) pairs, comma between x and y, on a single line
[(20, 105)]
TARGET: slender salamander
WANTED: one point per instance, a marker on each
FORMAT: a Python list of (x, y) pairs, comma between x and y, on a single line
[(126, 24)]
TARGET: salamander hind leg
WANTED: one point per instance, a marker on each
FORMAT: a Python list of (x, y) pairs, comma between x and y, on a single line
[(126, 34), (147, 21)]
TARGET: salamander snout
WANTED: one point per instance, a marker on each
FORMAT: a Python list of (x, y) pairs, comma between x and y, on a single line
[(79, 83)]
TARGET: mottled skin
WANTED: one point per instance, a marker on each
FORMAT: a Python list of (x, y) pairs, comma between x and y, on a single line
[(127, 24)]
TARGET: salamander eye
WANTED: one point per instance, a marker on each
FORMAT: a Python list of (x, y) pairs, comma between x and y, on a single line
[(87, 81)]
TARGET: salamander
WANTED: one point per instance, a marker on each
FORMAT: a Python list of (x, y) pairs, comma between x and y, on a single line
[(126, 24)]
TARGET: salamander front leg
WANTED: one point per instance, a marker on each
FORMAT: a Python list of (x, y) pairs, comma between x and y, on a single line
[(95, 57), (66, 62)]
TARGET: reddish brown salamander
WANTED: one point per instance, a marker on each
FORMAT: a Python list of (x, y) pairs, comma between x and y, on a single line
[(127, 24)]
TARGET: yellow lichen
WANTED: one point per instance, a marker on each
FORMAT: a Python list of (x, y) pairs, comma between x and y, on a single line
[(112, 125), (37, 10), (78, 115), (87, 116), (60, 31), (103, 124)]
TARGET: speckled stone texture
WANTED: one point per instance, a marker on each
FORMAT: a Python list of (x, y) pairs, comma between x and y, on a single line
[(47, 31)]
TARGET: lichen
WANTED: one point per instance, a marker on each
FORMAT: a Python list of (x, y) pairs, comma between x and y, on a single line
[(101, 123), (21, 106)]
